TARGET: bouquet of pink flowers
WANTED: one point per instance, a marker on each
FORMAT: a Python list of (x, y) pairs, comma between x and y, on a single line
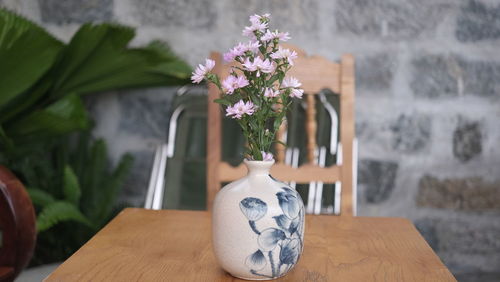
[(257, 93)]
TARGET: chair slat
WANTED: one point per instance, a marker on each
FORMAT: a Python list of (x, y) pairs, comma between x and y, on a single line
[(284, 172), (315, 72), (347, 133), (214, 134)]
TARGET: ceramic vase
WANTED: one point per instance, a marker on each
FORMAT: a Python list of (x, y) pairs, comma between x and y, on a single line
[(258, 225)]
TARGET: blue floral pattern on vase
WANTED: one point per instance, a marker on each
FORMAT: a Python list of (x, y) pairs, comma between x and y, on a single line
[(254, 209), (279, 246)]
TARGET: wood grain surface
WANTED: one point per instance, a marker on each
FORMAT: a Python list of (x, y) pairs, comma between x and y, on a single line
[(169, 245)]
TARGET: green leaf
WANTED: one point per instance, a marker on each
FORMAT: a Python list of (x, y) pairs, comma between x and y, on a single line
[(71, 187), (280, 142), (171, 63), (66, 115), (26, 100), (60, 211), (112, 188), (95, 173), (222, 102), (97, 59), (26, 53), (257, 155), (270, 82), (277, 122), (39, 197), (5, 141)]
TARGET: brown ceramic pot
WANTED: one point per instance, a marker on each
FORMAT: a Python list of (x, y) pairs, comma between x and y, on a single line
[(17, 224)]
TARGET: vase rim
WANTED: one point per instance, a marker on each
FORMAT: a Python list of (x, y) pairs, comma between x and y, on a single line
[(258, 162), (258, 167)]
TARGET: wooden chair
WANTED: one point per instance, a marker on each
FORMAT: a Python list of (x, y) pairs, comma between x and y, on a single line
[(17, 226), (315, 73)]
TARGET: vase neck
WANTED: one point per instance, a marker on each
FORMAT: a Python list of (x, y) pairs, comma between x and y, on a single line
[(258, 168)]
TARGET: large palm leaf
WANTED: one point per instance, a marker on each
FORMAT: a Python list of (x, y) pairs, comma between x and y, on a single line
[(97, 59), (26, 53), (65, 115), (37, 71)]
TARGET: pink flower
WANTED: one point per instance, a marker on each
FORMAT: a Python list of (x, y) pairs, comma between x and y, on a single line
[(259, 65), (297, 93), (240, 49), (257, 18), (294, 84), (240, 108), (285, 54), (291, 81), (232, 83), (199, 74), (253, 46), (270, 93), (257, 25), (236, 51), (254, 19), (268, 36), (267, 157), (249, 31)]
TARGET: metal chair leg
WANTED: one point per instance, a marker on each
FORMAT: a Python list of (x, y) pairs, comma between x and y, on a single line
[(160, 179), (319, 185), (338, 185), (152, 179), (164, 151)]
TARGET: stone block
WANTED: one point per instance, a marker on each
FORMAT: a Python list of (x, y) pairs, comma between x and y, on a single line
[(465, 237), (199, 14), (440, 76), (294, 16), (467, 141), (76, 11), (468, 246), (376, 179), (461, 236), (361, 127), (428, 231), (469, 194), (434, 76), (480, 78), (375, 72), (136, 184), (145, 112), (412, 133), (389, 19), (478, 276), (478, 21)]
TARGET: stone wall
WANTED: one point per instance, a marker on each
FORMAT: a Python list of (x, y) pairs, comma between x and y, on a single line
[(427, 106)]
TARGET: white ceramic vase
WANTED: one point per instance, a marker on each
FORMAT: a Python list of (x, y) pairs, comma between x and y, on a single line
[(258, 225)]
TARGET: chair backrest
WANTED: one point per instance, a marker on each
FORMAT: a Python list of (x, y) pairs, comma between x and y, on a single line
[(315, 73), (17, 226)]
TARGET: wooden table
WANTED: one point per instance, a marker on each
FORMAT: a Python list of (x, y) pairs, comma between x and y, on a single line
[(170, 245)]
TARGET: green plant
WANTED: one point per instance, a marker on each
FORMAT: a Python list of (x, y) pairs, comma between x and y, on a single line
[(74, 195), (42, 81)]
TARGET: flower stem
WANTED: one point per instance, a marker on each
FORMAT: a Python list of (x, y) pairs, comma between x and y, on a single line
[(273, 269), (254, 228)]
